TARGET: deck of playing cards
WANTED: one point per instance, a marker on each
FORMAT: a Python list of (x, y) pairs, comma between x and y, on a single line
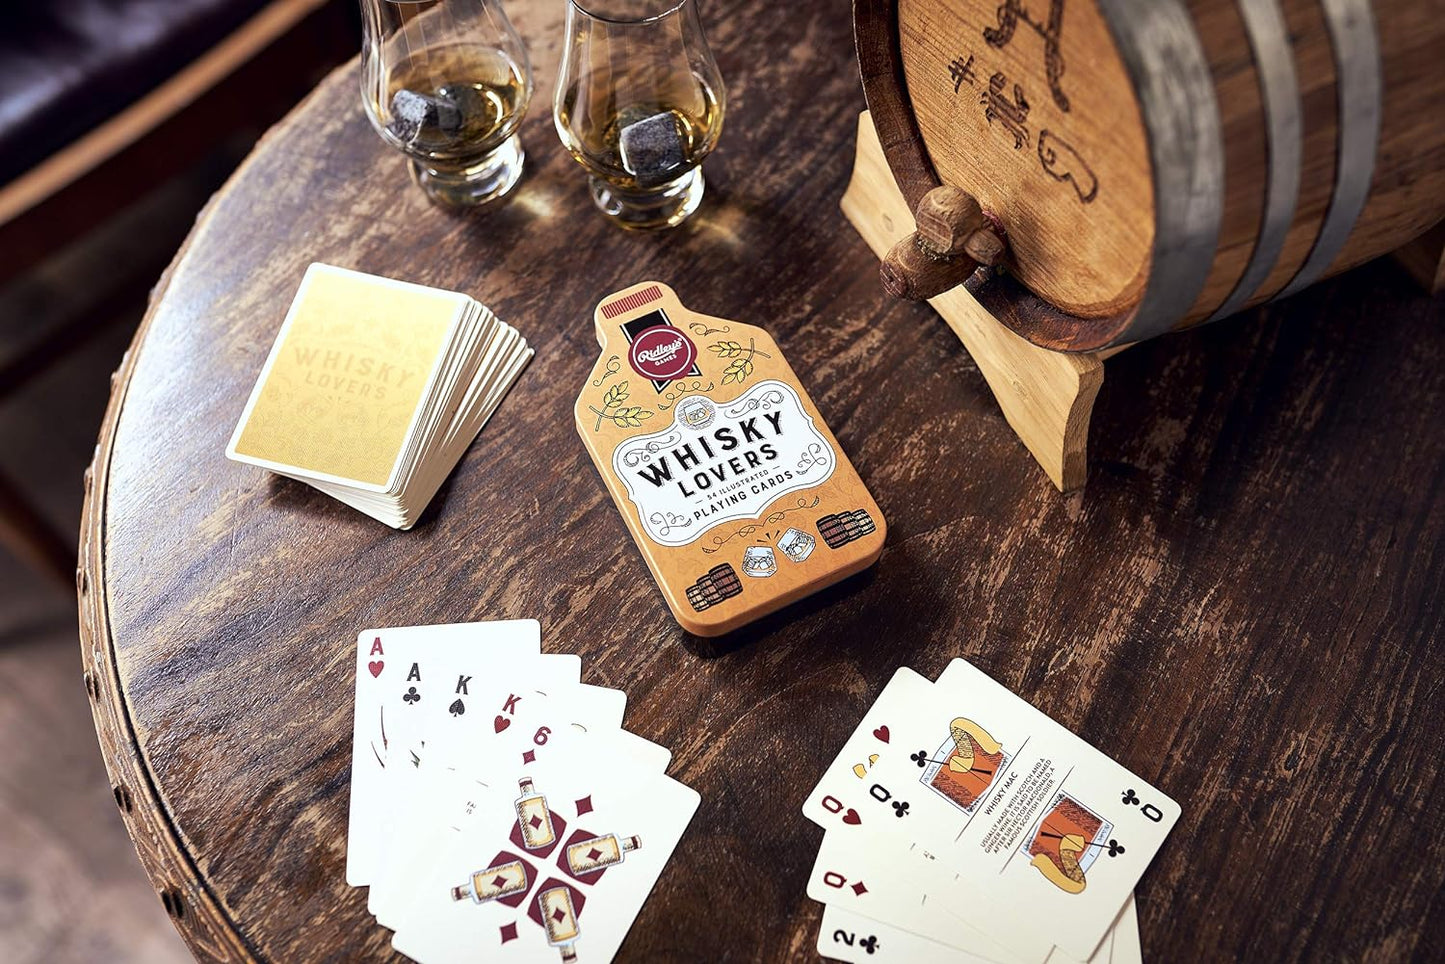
[(499, 811), (963, 825), (374, 389)]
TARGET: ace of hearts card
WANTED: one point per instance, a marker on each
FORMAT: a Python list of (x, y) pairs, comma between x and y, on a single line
[(406, 677)]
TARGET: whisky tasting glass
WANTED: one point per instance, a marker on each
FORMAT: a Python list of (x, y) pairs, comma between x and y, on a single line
[(639, 104), (447, 83)]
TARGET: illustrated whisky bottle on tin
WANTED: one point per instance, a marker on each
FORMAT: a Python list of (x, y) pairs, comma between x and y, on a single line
[(589, 856), (501, 880), (560, 920), (533, 817)]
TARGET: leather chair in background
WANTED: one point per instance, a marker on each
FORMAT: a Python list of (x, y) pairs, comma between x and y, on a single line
[(101, 101)]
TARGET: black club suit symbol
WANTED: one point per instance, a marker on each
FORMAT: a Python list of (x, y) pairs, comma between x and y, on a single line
[(1131, 798), (900, 808), (1115, 848), (870, 944), (411, 695), (920, 758)]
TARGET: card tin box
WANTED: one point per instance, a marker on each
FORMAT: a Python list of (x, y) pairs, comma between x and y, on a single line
[(735, 491)]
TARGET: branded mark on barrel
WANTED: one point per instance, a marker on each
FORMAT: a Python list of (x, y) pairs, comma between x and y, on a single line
[(1012, 115), (1062, 163), (1008, 105), (961, 71), (1010, 14), (1012, 112)]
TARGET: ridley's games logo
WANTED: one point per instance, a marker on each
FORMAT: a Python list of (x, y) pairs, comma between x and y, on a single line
[(658, 351)]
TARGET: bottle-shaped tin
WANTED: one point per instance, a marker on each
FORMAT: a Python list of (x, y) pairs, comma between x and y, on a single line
[(736, 492)]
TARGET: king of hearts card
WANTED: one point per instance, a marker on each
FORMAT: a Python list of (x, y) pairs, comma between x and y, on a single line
[(737, 494)]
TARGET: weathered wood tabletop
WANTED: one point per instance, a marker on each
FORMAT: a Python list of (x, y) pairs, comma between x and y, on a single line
[(1244, 606)]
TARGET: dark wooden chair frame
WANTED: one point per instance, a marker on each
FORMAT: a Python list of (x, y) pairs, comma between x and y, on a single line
[(244, 82)]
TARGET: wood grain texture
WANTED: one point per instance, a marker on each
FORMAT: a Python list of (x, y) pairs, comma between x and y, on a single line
[(959, 108), (1244, 606), (1046, 396)]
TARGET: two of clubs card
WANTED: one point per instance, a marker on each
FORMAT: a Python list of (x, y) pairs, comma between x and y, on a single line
[(374, 388), (963, 825), (499, 811)]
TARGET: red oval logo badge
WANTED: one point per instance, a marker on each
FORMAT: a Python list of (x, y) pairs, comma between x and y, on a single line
[(662, 354)]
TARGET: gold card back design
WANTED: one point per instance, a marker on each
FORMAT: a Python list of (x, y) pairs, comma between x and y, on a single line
[(342, 388)]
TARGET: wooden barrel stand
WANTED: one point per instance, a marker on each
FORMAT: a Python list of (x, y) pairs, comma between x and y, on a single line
[(1047, 397)]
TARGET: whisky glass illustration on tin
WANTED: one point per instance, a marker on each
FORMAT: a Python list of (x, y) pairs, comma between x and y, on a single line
[(447, 82), (639, 104)]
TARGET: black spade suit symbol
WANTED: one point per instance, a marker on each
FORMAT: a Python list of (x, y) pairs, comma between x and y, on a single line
[(457, 708)]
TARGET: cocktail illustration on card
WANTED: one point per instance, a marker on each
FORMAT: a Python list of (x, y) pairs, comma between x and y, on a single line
[(1067, 841), (965, 764)]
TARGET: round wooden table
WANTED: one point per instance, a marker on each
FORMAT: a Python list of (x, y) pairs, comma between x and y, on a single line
[(1244, 606)]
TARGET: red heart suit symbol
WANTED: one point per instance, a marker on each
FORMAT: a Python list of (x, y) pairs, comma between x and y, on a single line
[(375, 667), (500, 724), (882, 733), (851, 817)]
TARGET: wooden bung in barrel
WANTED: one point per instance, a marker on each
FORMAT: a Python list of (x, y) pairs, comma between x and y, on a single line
[(1142, 166)]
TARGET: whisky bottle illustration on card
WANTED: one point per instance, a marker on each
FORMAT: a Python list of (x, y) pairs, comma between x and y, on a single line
[(557, 905), (502, 880), (724, 470), (559, 918), (589, 856), (533, 817)]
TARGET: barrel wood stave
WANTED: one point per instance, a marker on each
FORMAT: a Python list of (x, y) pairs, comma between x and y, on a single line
[(1319, 143)]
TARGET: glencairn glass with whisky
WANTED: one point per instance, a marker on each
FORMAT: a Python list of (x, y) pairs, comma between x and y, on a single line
[(447, 82), (639, 104)]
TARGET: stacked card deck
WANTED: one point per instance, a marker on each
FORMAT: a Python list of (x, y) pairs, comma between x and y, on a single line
[(374, 388), (499, 811), (962, 825)]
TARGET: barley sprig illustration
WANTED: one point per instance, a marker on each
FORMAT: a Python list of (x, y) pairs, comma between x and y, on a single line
[(615, 395), (630, 417), (740, 369), (615, 412)]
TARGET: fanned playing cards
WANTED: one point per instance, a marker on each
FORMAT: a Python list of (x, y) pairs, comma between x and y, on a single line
[(374, 389), (499, 811), (963, 826)]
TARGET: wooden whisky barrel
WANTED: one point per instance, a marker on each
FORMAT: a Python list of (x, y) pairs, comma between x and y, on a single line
[(1156, 164)]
